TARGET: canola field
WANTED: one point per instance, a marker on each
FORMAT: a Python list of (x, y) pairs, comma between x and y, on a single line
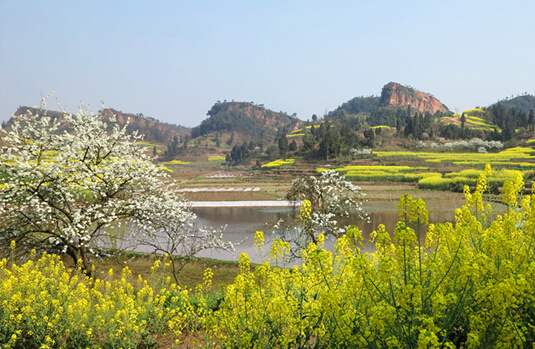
[(508, 163), (277, 163)]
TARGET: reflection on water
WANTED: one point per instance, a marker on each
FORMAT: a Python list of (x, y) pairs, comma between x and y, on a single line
[(243, 222)]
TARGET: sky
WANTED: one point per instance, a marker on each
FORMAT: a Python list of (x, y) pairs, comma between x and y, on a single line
[(172, 60)]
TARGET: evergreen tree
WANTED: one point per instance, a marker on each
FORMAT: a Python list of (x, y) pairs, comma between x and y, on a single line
[(370, 136), (292, 146), (409, 128), (283, 145), (231, 139)]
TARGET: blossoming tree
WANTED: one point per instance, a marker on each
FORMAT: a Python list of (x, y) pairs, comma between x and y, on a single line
[(326, 199), (64, 180)]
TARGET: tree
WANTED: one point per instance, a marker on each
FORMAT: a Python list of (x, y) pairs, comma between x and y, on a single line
[(283, 145), (342, 114), (308, 143), (231, 139), (180, 239), (272, 152), (370, 136), (409, 127), (325, 199), (64, 182), (292, 146)]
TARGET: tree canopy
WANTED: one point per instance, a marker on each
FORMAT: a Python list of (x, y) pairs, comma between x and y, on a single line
[(60, 190)]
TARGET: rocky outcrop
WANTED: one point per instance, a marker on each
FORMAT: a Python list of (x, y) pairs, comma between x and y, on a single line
[(394, 95)]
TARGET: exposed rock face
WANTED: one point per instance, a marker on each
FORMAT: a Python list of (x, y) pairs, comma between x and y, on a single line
[(394, 95)]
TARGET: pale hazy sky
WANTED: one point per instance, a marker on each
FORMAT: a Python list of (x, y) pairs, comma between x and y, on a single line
[(173, 60)]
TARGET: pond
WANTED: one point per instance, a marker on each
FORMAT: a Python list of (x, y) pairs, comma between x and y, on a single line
[(243, 222)]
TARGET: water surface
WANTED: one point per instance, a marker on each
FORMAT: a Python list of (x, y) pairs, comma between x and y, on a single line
[(243, 222)]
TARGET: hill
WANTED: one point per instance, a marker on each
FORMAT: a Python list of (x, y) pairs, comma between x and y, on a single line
[(524, 103), (249, 119), (151, 128), (382, 109)]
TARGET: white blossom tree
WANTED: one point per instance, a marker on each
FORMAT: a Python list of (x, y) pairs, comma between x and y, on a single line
[(329, 197), (64, 180)]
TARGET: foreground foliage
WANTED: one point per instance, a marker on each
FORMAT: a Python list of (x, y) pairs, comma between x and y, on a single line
[(325, 199), (69, 184), (469, 285), (45, 305)]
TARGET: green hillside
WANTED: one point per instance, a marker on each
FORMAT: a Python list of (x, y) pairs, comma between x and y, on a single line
[(249, 119), (356, 105), (524, 103)]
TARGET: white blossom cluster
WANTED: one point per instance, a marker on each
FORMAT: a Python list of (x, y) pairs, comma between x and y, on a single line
[(63, 181), (476, 143), (331, 196), (357, 152)]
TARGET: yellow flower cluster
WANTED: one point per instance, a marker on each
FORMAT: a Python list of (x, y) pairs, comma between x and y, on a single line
[(502, 158), (176, 162), (384, 173), (278, 163), (165, 169), (469, 285), (216, 158), (471, 118), (467, 177), (43, 304)]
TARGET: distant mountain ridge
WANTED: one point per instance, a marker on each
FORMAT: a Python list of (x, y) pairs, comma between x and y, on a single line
[(247, 118), (151, 128)]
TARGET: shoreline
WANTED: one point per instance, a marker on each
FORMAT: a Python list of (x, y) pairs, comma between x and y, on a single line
[(265, 203)]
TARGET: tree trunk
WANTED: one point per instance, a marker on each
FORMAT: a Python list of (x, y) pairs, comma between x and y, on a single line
[(86, 263)]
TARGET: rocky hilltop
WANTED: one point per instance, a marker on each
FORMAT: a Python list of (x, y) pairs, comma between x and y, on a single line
[(395, 95)]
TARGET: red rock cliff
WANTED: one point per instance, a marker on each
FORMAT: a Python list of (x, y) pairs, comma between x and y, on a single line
[(398, 95)]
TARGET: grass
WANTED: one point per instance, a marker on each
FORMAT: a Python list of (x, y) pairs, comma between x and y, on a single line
[(140, 263)]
